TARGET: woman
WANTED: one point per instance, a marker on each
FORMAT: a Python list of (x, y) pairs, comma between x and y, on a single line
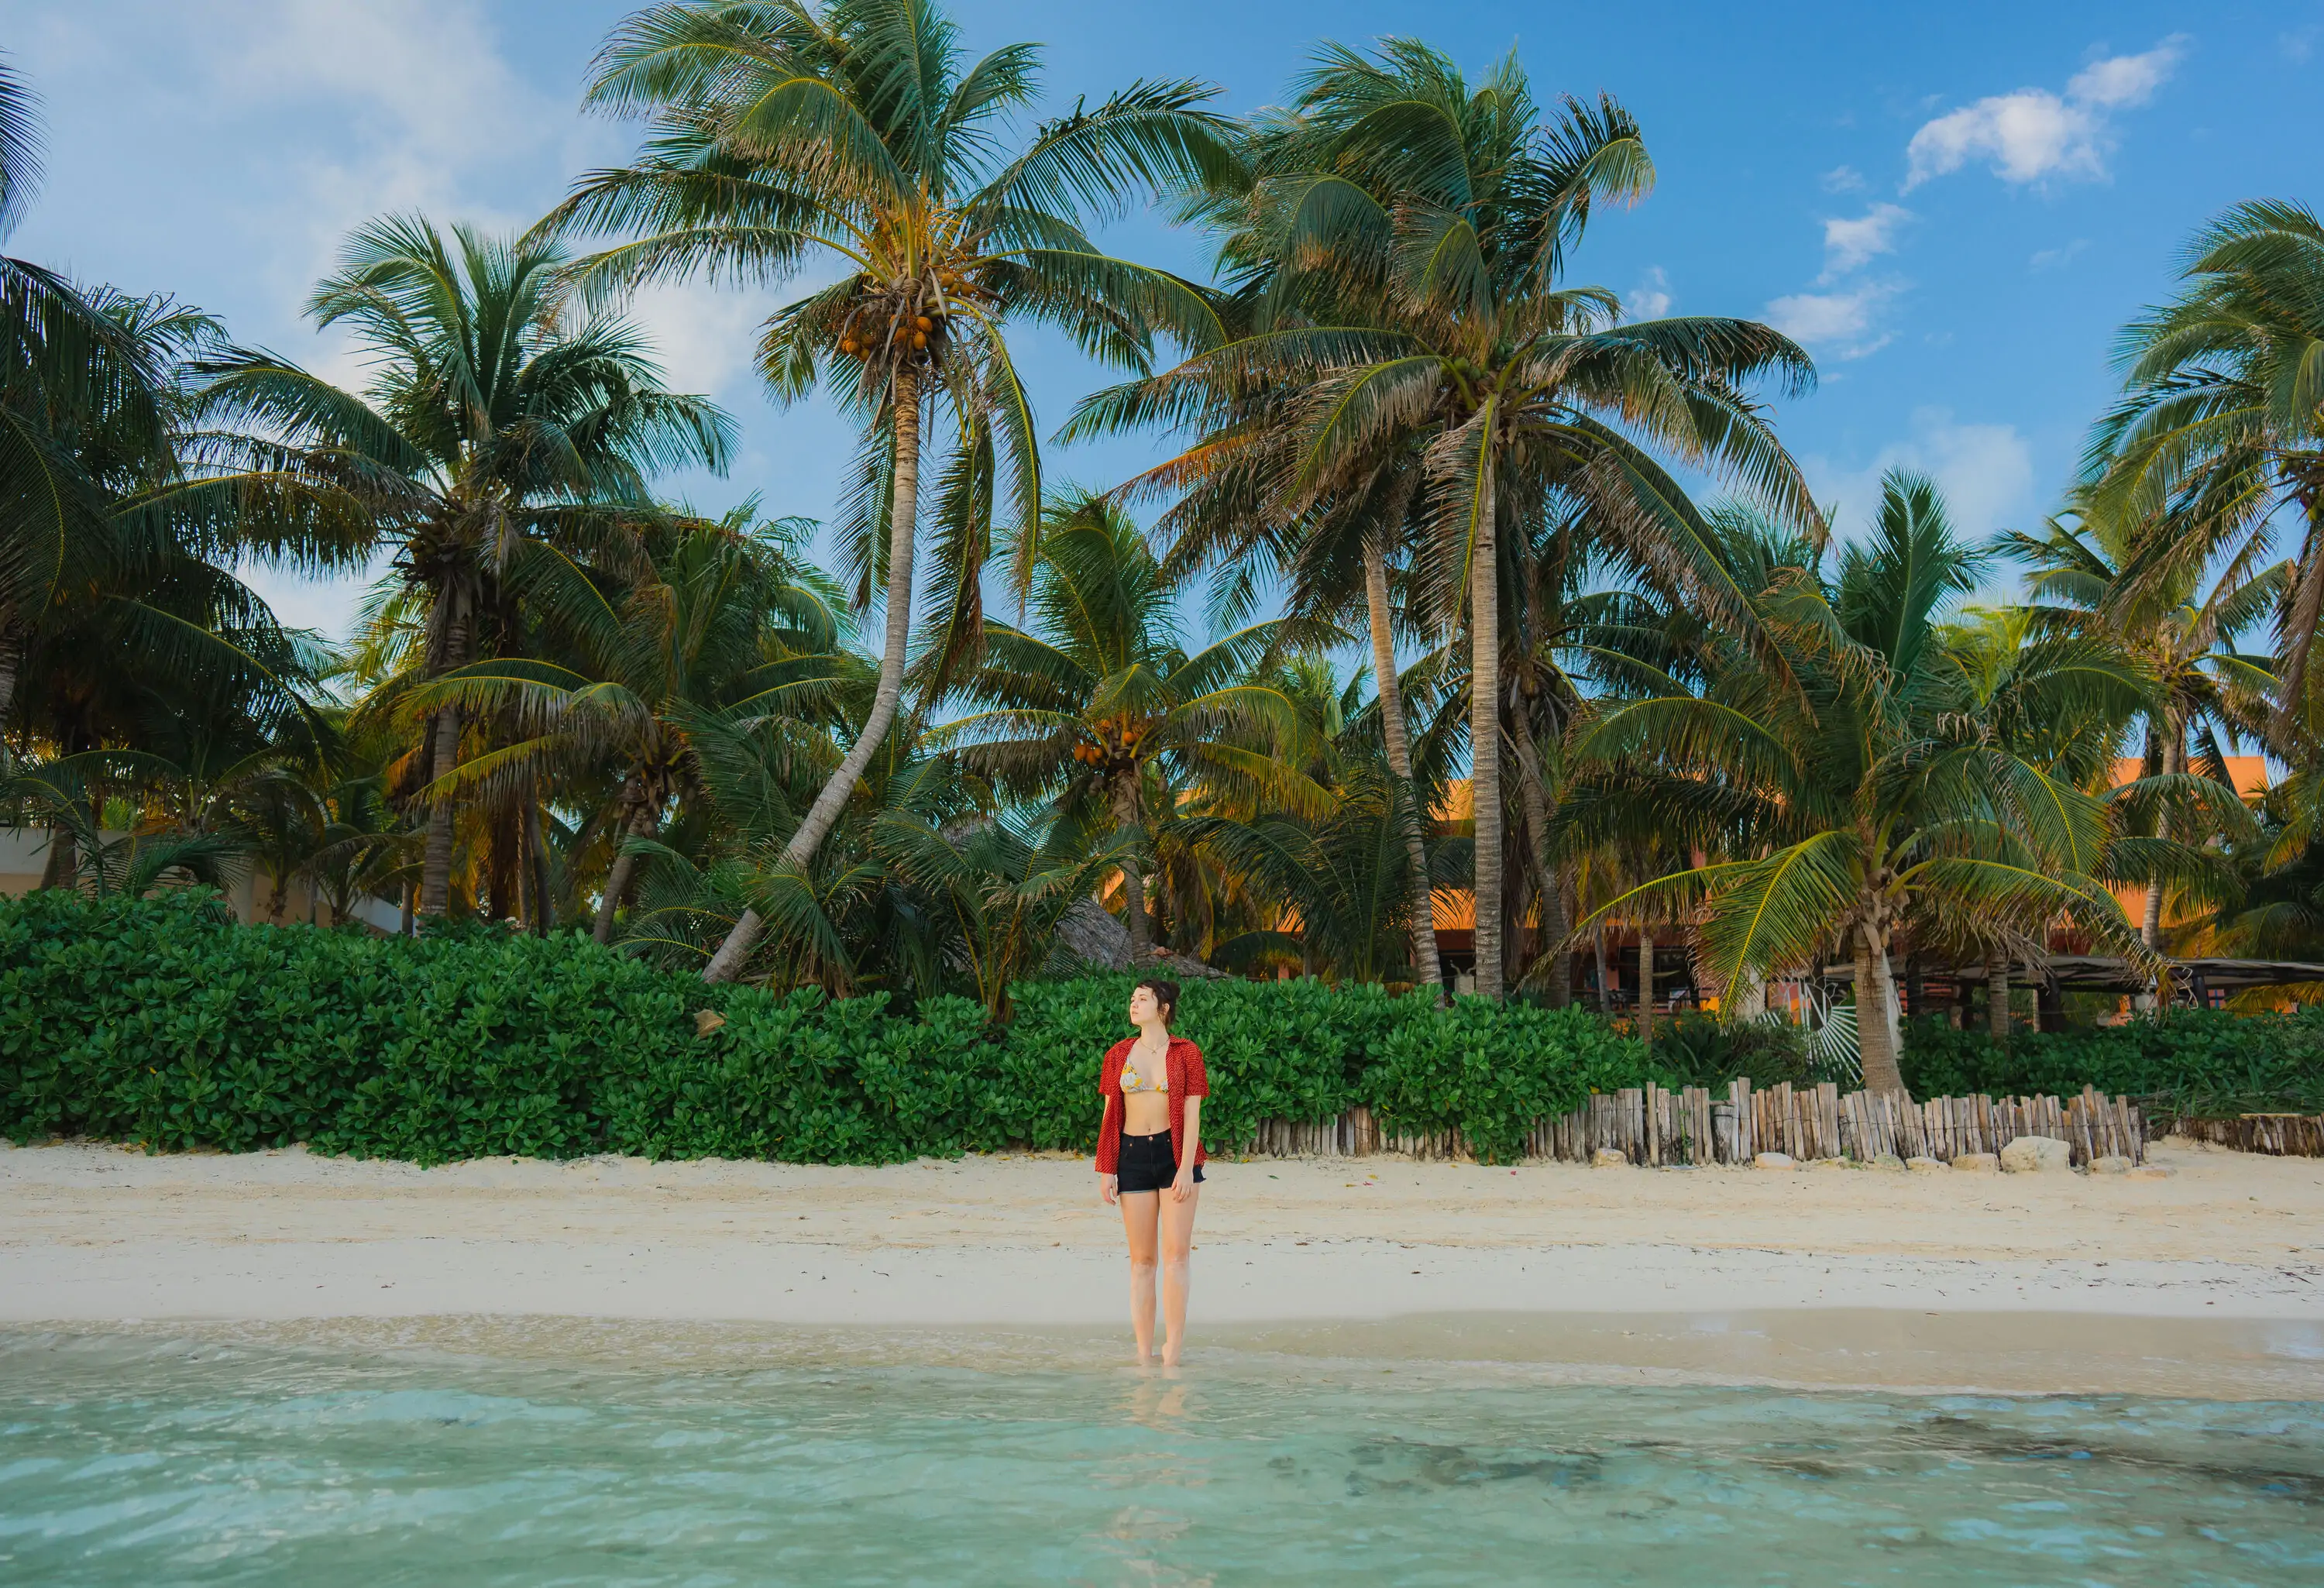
[(1150, 1141)]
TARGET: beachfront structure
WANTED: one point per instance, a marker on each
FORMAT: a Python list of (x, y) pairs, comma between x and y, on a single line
[(1924, 988)]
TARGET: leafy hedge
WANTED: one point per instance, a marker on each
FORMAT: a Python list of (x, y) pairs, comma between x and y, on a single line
[(163, 1022), (2197, 1063)]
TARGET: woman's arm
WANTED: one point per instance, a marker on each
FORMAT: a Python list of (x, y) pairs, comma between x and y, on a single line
[(1108, 1186), (1182, 1183)]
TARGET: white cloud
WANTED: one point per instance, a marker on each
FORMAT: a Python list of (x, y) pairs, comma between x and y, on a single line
[(2126, 79), (2034, 133), (1650, 299), (1840, 323), (1850, 243), (1986, 472), (705, 339), (1843, 179), (324, 604), (223, 150), (279, 125), (2057, 258)]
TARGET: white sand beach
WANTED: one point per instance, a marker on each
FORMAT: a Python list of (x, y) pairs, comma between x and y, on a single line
[(2219, 1267)]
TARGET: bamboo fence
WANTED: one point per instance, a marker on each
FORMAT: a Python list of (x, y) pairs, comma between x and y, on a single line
[(1655, 1126), (2279, 1135)]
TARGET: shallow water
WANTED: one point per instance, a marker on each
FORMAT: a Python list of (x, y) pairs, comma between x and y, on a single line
[(127, 1460)]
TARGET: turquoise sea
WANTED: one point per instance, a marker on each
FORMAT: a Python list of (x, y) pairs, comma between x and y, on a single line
[(142, 1459)]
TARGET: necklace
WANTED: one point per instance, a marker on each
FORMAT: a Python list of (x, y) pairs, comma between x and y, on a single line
[(1160, 1068)]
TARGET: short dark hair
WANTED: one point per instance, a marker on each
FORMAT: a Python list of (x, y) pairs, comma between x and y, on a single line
[(1165, 993)]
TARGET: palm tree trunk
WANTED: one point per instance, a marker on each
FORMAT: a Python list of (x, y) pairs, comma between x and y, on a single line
[(1605, 977), (1532, 788), (1133, 911), (1485, 735), (1879, 1045), (2175, 756), (449, 649), (1393, 729), (1646, 1020), (62, 867), (502, 869), (436, 867), (903, 525), (643, 817), (2307, 606), (1131, 818), (536, 848), (1555, 926), (1997, 996)]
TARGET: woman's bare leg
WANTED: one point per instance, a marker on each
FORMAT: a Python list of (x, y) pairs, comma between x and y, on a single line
[(1177, 1233), (1138, 1218)]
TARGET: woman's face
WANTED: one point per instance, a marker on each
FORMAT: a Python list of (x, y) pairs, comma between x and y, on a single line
[(1144, 1007)]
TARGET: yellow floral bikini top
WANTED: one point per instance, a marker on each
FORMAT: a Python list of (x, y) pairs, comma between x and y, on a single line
[(1134, 1079)]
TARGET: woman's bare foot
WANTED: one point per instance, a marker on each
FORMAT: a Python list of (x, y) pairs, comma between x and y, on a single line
[(1170, 1354)]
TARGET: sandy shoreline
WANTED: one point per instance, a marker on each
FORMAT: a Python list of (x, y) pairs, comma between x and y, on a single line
[(1547, 1262)]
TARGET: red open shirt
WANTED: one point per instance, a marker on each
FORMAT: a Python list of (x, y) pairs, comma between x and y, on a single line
[(1187, 1079)]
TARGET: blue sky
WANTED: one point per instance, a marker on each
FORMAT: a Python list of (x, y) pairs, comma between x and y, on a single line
[(1954, 206)]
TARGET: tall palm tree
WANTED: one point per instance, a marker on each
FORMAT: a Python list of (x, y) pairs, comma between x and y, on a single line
[(1437, 217), (2220, 429), (1874, 788), (1100, 707), (627, 673), (1340, 873), (855, 135), (79, 393), (108, 537), (2178, 623), (1228, 523), (491, 421)]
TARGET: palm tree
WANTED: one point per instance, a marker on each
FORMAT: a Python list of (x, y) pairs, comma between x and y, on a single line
[(1444, 214), (2177, 623), (2220, 429), (1001, 886), (864, 914), (366, 851), (853, 135), (111, 544), (1342, 874), (121, 630), (80, 394), (81, 796), (1873, 788), (1226, 521), (1099, 708), (491, 421), (626, 675)]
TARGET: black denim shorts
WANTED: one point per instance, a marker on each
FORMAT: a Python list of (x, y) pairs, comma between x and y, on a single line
[(1147, 1164)]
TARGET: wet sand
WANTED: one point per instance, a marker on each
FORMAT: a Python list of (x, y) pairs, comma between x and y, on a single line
[(2214, 1275)]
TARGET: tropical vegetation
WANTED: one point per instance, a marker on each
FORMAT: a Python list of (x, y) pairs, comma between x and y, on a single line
[(1473, 635)]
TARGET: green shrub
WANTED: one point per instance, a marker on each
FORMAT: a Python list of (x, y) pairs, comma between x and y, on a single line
[(164, 1022), (1702, 1051), (1489, 1070), (2195, 1061)]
